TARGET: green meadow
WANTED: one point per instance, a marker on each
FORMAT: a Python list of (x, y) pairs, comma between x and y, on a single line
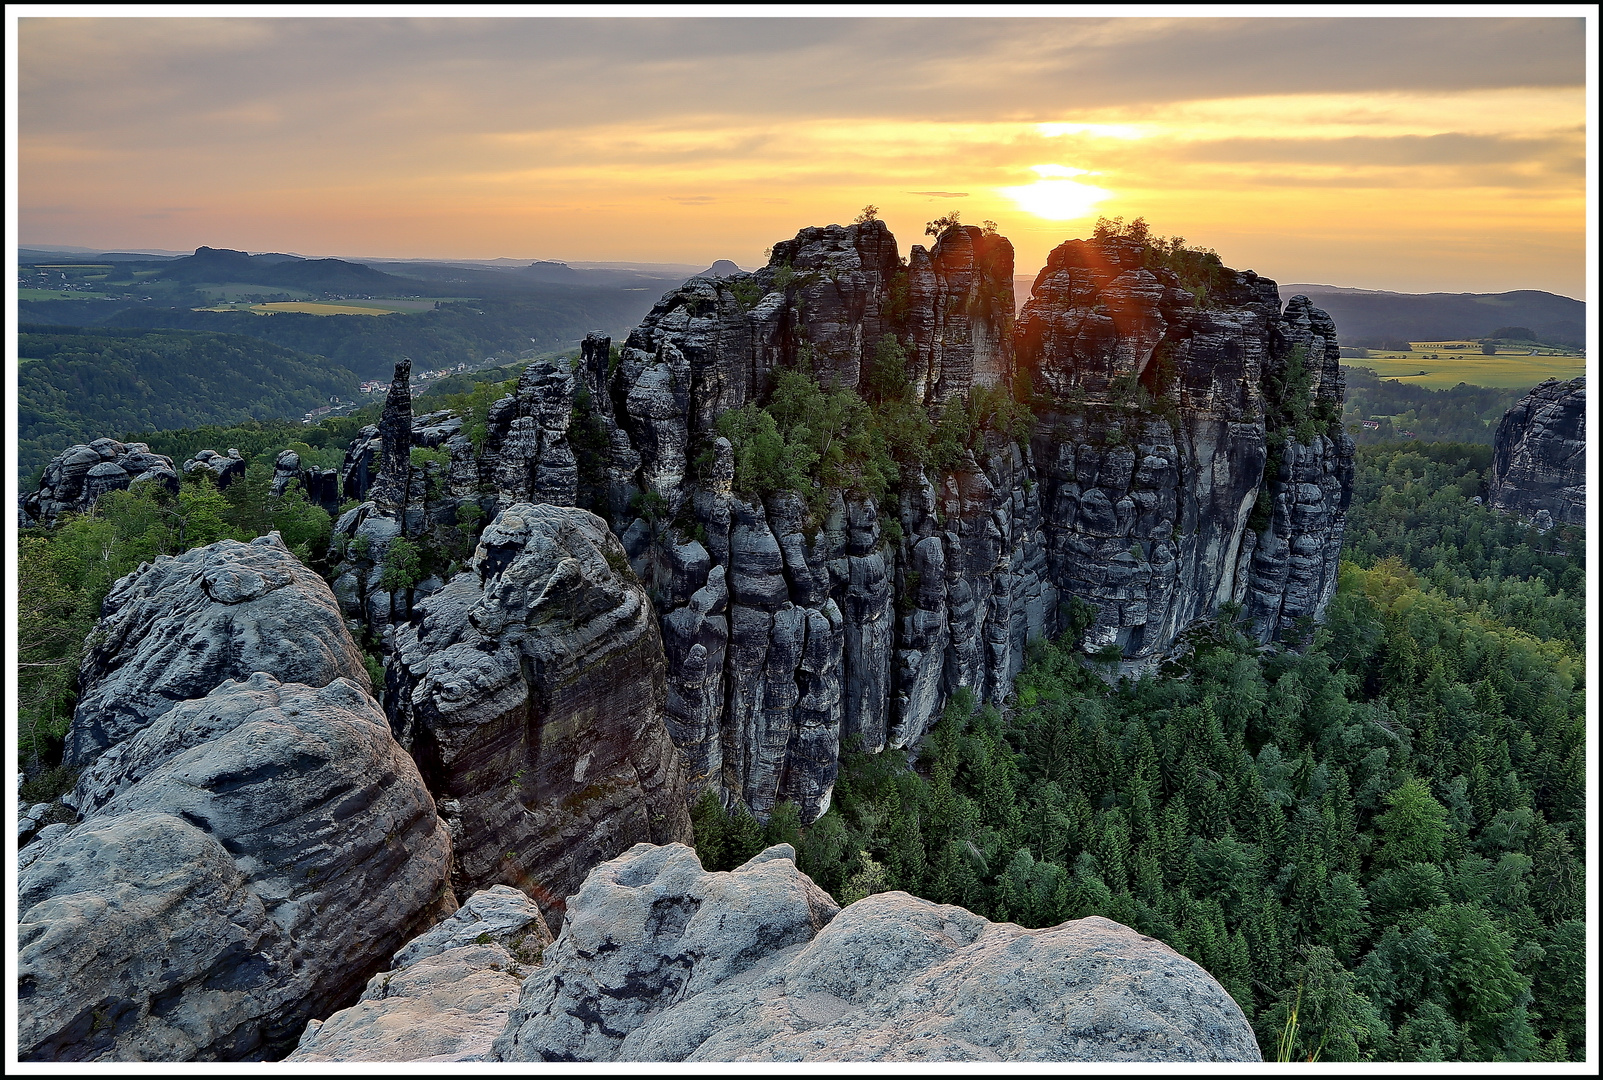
[(1443, 364)]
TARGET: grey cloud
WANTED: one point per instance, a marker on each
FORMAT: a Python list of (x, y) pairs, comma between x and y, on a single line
[(391, 77)]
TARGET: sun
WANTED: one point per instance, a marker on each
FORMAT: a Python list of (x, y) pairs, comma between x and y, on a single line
[(1057, 196)]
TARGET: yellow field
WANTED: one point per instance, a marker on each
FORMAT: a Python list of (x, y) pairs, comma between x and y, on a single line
[(1432, 364), (315, 307)]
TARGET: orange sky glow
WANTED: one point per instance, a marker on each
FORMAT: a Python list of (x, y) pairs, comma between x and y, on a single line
[(1416, 154)]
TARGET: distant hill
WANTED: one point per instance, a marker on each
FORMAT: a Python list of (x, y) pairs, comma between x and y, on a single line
[(317, 275), (1374, 319), (721, 268)]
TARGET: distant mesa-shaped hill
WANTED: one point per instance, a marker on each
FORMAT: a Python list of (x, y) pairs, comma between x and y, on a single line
[(224, 264)]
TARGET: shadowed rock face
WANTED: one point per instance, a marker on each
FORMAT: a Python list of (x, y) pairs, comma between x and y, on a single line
[(174, 629), (661, 961), (1539, 460), (447, 994), (530, 690), (244, 862), (960, 314), (1142, 490), (1183, 457), (76, 478)]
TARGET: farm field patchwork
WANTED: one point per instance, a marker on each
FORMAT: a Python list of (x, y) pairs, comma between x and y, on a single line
[(1443, 364), (334, 307)]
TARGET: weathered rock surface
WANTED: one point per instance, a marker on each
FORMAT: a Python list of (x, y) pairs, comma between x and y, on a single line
[(447, 994), (1539, 457), (1186, 454), (77, 477), (960, 314), (175, 629), (320, 486), (661, 961), (245, 860), (224, 468), (531, 691), (1142, 489)]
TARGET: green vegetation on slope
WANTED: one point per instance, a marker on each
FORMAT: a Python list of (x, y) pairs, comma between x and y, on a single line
[(1383, 832), (83, 384), (1462, 413)]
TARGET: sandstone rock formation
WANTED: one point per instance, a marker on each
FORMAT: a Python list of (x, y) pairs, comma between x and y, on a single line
[(320, 486), (1539, 460), (75, 478), (244, 862), (661, 961), (530, 690), (446, 995), (224, 468), (175, 629), (1186, 455), (960, 313)]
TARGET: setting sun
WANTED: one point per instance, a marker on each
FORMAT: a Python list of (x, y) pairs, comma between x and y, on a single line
[(1057, 196)]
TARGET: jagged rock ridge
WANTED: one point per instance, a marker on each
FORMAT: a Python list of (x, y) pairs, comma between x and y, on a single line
[(1186, 455)]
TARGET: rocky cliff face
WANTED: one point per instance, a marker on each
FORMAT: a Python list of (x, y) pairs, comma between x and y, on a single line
[(1539, 461), (75, 478), (530, 690), (1185, 455), (661, 961), (248, 851)]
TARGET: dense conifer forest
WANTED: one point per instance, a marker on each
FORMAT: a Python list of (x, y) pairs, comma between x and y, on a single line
[(1375, 844)]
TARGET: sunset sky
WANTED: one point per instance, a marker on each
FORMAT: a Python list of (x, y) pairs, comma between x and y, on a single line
[(1415, 154)]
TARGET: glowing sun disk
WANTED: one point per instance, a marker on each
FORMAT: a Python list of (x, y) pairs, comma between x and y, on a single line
[(1056, 199)]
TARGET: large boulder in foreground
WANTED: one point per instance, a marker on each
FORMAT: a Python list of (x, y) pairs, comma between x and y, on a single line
[(446, 995), (177, 628), (662, 961), (245, 861), (531, 692), (1539, 455)]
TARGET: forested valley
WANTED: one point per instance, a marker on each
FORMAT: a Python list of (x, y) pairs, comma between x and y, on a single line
[(1375, 844)]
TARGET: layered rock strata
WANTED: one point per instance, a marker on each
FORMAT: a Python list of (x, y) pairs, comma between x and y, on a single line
[(1185, 456), (243, 863), (446, 995), (960, 314), (1539, 455), (662, 961), (1142, 490), (176, 628), (248, 851), (530, 690), (76, 478)]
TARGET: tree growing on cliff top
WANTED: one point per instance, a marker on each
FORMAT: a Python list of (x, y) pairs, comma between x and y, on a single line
[(941, 224), (868, 213)]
